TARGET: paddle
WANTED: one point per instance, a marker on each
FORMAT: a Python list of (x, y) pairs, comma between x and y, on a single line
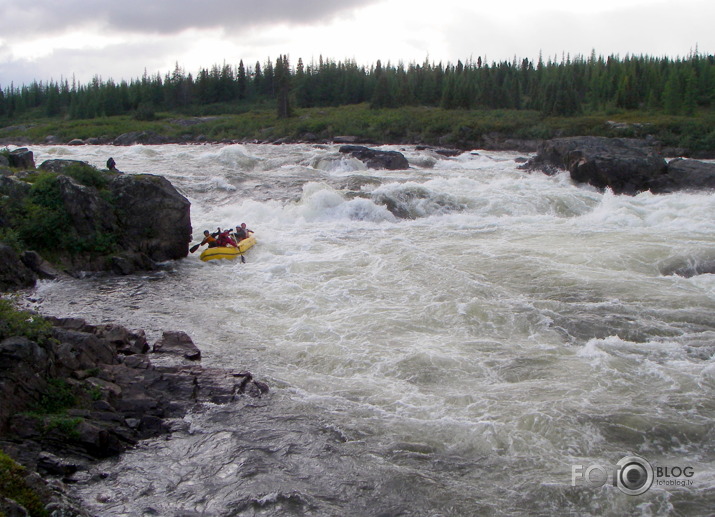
[(238, 247), (194, 248)]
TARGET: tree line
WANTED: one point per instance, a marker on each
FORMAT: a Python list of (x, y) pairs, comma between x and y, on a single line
[(562, 87)]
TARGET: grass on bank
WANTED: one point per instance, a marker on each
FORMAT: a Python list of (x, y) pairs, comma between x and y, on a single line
[(426, 125), (13, 485)]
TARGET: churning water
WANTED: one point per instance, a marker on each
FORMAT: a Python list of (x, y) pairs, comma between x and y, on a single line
[(450, 339)]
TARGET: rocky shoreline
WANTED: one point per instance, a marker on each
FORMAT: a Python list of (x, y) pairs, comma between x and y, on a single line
[(91, 391)]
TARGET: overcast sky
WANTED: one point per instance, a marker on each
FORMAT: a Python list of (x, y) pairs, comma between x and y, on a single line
[(54, 39)]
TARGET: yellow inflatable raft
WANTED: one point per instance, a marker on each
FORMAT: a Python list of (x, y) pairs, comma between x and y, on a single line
[(228, 253)]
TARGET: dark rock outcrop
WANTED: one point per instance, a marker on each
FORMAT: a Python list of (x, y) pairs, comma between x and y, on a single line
[(147, 218), (376, 159), (13, 187), (626, 166), (22, 158), (38, 265), (14, 274), (177, 343), (116, 396), (121, 397), (140, 137), (59, 165), (89, 213), (685, 175), (154, 216)]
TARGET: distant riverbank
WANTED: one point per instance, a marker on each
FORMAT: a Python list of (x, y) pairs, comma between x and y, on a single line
[(519, 130)]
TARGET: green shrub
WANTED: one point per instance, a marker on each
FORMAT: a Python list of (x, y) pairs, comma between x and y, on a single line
[(58, 397), (66, 426), (11, 237), (87, 175), (14, 322), (145, 112), (13, 486)]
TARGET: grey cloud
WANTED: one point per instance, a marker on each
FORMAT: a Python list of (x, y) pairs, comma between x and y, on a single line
[(112, 62), (165, 16)]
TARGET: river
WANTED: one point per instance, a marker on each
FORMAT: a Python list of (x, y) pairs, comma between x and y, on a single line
[(474, 356)]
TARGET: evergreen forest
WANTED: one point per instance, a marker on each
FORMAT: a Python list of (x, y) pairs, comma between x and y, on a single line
[(566, 87), (556, 87)]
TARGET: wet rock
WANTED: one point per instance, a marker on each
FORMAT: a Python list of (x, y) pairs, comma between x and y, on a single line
[(155, 217), (685, 175), (119, 402), (124, 341), (22, 158), (23, 367), (137, 361), (624, 165), (177, 343), (81, 350), (442, 152), (48, 463), (688, 268), (129, 262), (376, 159), (39, 266)]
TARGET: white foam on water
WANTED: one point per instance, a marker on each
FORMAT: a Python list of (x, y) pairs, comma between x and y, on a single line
[(518, 323)]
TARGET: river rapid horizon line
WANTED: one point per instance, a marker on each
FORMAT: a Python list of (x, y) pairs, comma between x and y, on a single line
[(495, 348)]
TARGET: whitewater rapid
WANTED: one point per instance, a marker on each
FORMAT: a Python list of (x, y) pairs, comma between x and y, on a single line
[(445, 340)]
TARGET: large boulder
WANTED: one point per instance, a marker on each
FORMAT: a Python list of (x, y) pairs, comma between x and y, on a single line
[(58, 165), (624, 165), (12, 187), (376, 159), (177, 343), (685, 175), (89, 212), (39, 266), (154, 217), (21, 158)]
